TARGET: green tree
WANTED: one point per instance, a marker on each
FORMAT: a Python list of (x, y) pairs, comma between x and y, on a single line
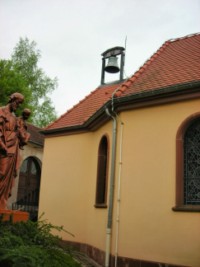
[(22, 74), (45, 113), (10, 82)]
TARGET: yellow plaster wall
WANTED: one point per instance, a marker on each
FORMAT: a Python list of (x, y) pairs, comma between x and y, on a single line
[(148, 228), (68, 186)]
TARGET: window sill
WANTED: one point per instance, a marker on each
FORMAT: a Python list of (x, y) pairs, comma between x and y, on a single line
[(100, 206), (187, 208)]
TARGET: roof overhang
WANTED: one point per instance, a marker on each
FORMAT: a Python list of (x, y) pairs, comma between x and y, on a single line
[(174, 93), (35, 143)]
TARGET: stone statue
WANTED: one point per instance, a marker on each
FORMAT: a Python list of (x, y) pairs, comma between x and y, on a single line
[(11, 139)]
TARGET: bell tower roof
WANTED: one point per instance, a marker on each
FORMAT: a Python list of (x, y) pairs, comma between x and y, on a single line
[(115, 51)]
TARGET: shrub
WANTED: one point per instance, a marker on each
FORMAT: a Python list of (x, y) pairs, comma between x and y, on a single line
[(31, 244)]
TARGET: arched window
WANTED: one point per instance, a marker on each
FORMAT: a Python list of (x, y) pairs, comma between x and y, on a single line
[(29, 186), (192, 164), (188, 165), (102, 172)]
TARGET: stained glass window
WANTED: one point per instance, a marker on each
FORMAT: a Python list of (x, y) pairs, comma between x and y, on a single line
[(192, 164)]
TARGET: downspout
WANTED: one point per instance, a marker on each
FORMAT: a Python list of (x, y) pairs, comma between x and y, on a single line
[(118, 193), (112, 183)]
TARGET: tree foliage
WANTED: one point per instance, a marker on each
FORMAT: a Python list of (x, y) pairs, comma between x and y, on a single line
[(22, 74), (10, 81)]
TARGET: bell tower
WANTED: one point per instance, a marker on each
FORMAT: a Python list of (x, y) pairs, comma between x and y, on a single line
[(110, 62)]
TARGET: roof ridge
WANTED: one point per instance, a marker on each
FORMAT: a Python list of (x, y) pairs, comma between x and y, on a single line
[(184, 37), (141, 69)]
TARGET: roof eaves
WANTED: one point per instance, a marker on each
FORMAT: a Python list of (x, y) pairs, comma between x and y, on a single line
[(99, 117), (72, 108), (92, 123), (170, 91), (36, 143), (123, 103), (63, 130), (144, 96)]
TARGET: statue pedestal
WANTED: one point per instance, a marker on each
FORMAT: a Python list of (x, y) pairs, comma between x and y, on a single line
[(13, 216)]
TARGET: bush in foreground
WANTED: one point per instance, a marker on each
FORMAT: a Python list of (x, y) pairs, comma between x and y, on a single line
[(31, 244)]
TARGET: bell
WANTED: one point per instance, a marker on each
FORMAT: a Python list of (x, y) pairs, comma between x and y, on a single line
[(112, 66)]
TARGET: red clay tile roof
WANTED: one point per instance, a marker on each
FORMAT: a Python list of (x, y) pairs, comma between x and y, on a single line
[(81, 112), (176, 62), (36, 137)]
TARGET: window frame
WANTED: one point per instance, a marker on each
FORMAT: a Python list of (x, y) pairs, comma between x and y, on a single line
[(180, 206), (26, 179), (99, 186)]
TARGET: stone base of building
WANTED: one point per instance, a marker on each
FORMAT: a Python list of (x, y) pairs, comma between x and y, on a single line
[(99, 256), (13, 216)]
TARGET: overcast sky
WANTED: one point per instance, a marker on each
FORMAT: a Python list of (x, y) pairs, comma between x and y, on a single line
[(72, 34)]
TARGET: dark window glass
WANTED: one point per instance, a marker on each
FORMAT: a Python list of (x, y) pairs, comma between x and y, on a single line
[(102, 172), (24, 166), (192, 164), (29, 181)]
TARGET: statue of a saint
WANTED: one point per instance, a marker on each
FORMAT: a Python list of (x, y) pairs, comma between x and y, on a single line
[(22, 128), (9, 146)]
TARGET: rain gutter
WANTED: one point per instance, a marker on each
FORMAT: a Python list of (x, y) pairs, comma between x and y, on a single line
[(163, 93), (144, 98)]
